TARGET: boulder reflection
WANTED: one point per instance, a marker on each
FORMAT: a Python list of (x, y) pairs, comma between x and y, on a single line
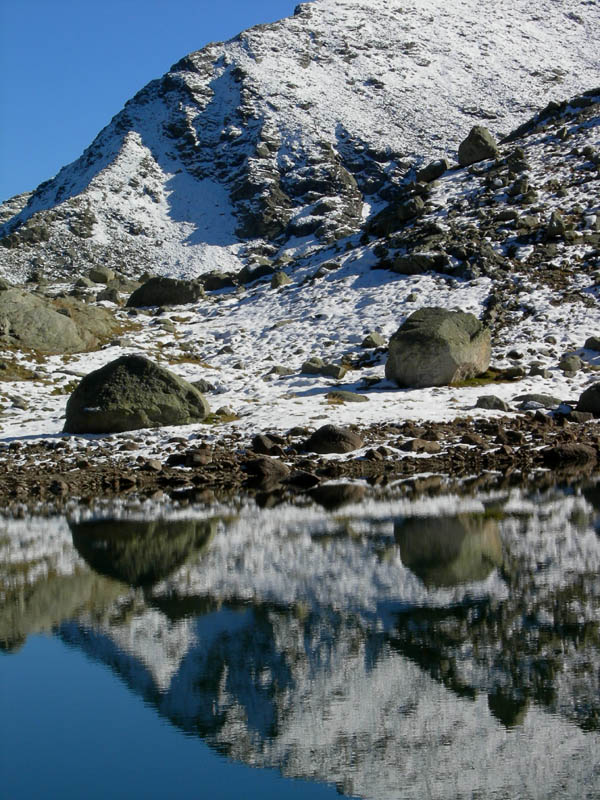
[(446, 551), (139, 553)]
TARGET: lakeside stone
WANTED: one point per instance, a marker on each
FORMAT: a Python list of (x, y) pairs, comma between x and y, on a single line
[(131, 393), (590, 400), (331, 439)]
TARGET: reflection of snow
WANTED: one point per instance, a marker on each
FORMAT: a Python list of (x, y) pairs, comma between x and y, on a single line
[(313, 672), (158, 644)]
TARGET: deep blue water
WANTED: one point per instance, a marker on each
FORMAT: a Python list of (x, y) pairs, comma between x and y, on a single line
[(71, 730)]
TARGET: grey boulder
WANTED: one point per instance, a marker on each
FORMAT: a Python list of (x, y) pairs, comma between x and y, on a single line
[(436, 347), (131, 393), (478, 146), (33, 322)]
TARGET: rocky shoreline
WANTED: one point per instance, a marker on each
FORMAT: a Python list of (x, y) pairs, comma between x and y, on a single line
[(49, 476)]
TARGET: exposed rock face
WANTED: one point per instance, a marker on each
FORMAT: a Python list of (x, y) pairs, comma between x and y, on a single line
[(478, 145), (132, 393), (165, 292), (28, 321), (244, 139), (435, 347)]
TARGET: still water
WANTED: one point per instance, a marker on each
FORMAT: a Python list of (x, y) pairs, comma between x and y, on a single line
[(435, 647)]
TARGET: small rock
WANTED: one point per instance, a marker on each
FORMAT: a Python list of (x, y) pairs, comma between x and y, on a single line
[(267, 471), (281, 371), (108, 296), (570, 363), (556, 227), (590, 400), (312, 366), (593, 343), (539, 401), (514, 373), (280, 279), (344, 396), (537, 371), (203, 386), (492, 403), (101, 275), (372, 340), (433, 171), (421, 446)]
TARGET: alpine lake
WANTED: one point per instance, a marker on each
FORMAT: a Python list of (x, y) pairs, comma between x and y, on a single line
[(417, 643)]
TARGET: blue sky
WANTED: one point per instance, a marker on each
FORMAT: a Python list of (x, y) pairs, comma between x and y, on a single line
[(68, 66)]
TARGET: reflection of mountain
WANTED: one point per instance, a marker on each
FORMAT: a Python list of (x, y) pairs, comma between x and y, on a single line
[(319, 696), (139, 552), (370, 677)]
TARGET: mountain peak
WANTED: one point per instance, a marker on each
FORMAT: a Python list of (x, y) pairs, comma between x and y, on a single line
[(294, 129)]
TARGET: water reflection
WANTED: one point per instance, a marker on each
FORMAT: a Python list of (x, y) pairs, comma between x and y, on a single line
[(390, 651), (447, 551), (139, 552)]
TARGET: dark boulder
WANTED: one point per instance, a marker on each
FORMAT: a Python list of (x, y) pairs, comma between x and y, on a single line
[(590, 400), (165, 292), (432, 171), (331, 439), (478, 146), (130, 393)]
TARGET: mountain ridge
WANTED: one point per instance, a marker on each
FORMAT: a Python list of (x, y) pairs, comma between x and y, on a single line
[(293, 129)]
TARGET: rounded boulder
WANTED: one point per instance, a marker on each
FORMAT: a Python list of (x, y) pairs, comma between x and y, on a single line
[(131, 393)]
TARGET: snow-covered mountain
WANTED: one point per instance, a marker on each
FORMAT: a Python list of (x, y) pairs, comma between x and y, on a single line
[(296, 129)]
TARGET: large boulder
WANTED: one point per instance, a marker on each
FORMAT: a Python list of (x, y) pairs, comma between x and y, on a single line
[(590, 400), (165, 292), (436, 347), (33, 322), (130, 393), (478, 146)]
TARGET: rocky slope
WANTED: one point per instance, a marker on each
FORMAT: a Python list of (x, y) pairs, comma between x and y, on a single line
[(292, 130)]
